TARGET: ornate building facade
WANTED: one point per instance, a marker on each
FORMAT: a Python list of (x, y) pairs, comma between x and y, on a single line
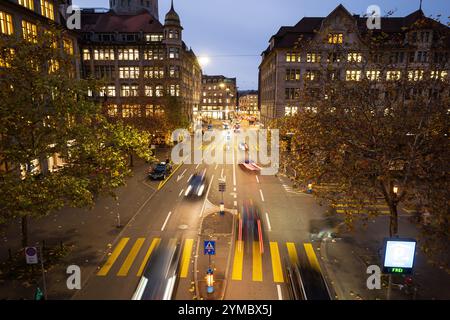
[(219, 97), (146, 65), (298, 54)]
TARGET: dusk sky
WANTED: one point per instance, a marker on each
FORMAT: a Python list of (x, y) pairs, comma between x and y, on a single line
[(234, 33)]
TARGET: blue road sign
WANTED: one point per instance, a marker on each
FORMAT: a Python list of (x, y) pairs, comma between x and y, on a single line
[(210, 247)]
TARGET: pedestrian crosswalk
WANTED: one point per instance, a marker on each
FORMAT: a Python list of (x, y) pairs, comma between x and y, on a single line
[(135, 256), (288, 249)]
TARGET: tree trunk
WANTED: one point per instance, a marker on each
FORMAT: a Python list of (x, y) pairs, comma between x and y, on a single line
[(24, 231), (131, 159), (393, 220)]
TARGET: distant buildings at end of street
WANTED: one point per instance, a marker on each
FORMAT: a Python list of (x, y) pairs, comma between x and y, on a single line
[(219, 97), (248, 102)]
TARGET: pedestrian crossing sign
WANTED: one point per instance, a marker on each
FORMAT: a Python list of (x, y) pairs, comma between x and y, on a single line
[(210, 247)]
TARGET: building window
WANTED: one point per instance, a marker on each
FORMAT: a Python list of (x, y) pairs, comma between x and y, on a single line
[(393, 75), (293, 57), (109, 91), (128, 54), (174, 90), (290, 111), (102, 72), (6, 25), (174, 71), (415, 75), (159, 91), (149, 91), (29, 31), (156, 37), (47, 9), (129, 90), (103, 54), (292, 74), (113, 110), (335, 38), (86, 54), (333, 57), (353, 75), (128, 72), (68, 46), (373, 75), (173, 34), (154, 54), (130, 111), (311, 75), (439, 75), (174, 53), (354, 57), (397, 57), (292, 93), (5, 57), (153, 72), (27, 4), (313, 57)]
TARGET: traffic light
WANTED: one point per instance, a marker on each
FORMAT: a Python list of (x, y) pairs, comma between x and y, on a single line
[(39, 295)]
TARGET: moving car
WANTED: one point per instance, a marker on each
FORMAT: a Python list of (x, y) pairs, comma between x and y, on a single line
[(243, 146), (161, 171), (160, 275), (196, 185), (251, 166)]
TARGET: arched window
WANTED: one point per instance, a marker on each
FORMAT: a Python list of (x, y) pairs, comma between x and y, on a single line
[(159, 91)]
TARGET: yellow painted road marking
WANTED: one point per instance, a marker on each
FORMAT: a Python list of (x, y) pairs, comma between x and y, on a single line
[(186, 257), (292, 251), (162, 183), (276, 262), (113, 257), (152, 247), (312, 258), (130, 258), (257, 262), (362, 210), (238, 260)]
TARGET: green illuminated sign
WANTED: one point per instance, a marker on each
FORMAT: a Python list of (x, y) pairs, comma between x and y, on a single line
[(397, 270)]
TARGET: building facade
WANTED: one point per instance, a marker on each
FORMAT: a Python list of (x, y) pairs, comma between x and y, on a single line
[(26, 19), (297, 55), (219, 97), (145, 64), (248, 103)]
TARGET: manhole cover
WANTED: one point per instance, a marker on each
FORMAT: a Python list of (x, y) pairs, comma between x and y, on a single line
[(183, 227)]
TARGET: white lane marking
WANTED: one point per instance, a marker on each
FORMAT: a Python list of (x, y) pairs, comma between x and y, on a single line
[(165, 222), (234, 189), (180, 176), (215, 168), (190, 177), (280, 296), (262, 196), (198, 165), (221, 173), (257, 179), (235, 203), (206, 196), (268, 222), (235, 196), (181, 192)]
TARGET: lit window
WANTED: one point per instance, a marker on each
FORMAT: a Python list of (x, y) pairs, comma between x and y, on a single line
[(128, 54), (393, 75), (129, 72), (439, 75), (353, 75), (47, 9), (335, 38), (113, 110), (312, 57), (129, 90), (354, 57), (27, 4), (373, 75), (68, 46), (415, 75), (103, 54), (149, 91), (29, 31), (86, 54), (53, 66), (153, 37), (174, 90), (6, 25), (109, 91), (159, 91), (174, 53)]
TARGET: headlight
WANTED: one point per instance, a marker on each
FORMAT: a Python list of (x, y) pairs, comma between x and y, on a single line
[(200, 191), (188, 190)]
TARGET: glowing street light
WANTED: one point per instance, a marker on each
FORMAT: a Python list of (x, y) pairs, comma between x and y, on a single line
[(203, 61)]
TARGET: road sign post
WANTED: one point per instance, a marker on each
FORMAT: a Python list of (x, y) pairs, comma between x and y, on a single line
[(222, 188), (210, 250)]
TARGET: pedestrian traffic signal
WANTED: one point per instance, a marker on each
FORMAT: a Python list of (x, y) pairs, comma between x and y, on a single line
[(39, 295)]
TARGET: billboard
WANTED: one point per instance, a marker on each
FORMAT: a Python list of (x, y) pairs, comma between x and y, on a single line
[(399, 255)]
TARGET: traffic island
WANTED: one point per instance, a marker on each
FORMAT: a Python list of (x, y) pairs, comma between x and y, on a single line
[(216, 237)]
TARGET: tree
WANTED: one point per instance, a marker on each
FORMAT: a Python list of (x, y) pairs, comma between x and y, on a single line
[(45, 111), (375, 133)]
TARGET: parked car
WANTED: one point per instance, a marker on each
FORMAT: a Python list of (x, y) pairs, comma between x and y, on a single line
[(161, 171)]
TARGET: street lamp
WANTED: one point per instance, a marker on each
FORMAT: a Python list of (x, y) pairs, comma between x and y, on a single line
[(395, 190)]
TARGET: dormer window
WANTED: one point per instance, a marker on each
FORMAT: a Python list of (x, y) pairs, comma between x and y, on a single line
[(336, 38)]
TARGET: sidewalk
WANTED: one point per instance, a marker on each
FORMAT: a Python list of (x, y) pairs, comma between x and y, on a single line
[(221, 230), (86, 233)]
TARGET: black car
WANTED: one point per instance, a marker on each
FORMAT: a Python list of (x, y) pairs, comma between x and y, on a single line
[(161, 171)]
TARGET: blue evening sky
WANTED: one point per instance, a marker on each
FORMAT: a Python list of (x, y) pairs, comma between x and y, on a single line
[(234, 33)]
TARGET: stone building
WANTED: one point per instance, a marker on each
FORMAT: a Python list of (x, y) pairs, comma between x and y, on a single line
[(248, 102), (146, 64), (297, 54), (219, 97)]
